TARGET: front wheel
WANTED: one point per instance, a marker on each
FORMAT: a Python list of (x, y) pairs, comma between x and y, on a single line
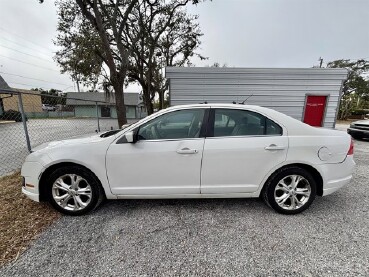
[(290, 191), (74, 190)]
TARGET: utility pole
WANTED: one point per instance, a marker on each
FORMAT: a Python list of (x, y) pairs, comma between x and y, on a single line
[(321, 62)]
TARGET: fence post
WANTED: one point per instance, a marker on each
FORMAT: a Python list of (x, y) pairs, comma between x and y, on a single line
[(97, 116), (20, 104)]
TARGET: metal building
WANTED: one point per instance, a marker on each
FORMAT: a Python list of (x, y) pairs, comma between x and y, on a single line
[(308, 94)]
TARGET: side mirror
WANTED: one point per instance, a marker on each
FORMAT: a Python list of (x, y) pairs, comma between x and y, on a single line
[(130, 137), (126, 125)]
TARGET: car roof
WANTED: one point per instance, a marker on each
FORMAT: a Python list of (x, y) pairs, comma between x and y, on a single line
[(214, 105), (228, 106)]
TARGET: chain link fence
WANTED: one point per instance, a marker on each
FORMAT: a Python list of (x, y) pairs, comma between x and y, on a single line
[(30, 119)]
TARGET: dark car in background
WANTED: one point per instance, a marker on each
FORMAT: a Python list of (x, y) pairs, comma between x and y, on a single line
[(12, 115), (47, 107), (359, 129)]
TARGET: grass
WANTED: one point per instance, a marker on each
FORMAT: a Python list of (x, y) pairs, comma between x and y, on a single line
[(22, 219)]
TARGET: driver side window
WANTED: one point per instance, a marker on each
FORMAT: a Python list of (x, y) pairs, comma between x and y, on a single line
[(175, 125)]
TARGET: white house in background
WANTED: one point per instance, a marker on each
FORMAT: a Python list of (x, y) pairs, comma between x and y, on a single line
[(311, 95), (86, 107)]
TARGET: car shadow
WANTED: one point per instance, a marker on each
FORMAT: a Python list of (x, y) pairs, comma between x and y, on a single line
[(185, 203), (332, 204), (188, 205)]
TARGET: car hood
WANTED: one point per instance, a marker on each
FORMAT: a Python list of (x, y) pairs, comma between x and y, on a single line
[(362, 122), (88, 139)]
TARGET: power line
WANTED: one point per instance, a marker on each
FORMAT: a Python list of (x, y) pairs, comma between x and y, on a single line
[(11, 74), (35, 86), (26, 53), (29, 63), (67, 88), (29, 85), (24, 39), (22, 45)]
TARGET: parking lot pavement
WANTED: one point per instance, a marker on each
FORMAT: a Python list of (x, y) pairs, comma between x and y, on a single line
[(13, 142), (342, 126), (213, 237)]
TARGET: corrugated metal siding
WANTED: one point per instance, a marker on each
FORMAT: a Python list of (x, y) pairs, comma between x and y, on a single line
[(284, 89)]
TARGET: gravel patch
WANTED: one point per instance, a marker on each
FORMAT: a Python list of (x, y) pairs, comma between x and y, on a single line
[(212, 237)]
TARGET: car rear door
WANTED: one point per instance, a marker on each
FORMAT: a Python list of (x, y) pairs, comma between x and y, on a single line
[(240, 150)]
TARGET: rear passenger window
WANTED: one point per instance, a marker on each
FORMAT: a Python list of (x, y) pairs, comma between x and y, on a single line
[(234, 122), (273, 128), (222, 120)]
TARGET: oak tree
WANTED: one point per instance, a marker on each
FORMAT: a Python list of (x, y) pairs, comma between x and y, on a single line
[(105, 23)]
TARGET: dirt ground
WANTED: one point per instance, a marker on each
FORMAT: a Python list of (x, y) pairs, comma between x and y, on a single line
[(22, 220)]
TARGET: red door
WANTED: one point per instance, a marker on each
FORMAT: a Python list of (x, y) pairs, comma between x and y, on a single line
[(314, 110)]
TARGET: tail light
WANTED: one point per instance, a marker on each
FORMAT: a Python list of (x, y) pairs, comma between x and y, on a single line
[(351, 149)]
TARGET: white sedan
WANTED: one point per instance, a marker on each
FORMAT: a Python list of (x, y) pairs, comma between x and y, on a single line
[(194, 151)]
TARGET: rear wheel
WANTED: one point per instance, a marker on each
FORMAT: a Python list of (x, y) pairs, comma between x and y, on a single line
[(74, 190), (290, 191)]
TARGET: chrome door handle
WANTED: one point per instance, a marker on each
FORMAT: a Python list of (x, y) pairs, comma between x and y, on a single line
[(187, 151), (274, 147)]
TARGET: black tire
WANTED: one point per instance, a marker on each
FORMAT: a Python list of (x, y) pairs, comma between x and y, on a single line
[(268, 193), (357, 137), (97, 192)]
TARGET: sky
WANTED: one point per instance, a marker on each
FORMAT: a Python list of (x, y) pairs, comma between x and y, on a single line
[(238, 33)]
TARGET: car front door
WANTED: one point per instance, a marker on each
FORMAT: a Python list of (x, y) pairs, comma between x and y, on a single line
[(241, 148), (165, 160)]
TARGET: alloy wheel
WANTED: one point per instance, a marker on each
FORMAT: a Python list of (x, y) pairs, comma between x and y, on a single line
[(292, 192), (72, 192)]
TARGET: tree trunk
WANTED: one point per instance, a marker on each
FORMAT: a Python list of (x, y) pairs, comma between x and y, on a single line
[(77, 82), (161, 99), (149, 107), (119, 102), (147, 101)]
